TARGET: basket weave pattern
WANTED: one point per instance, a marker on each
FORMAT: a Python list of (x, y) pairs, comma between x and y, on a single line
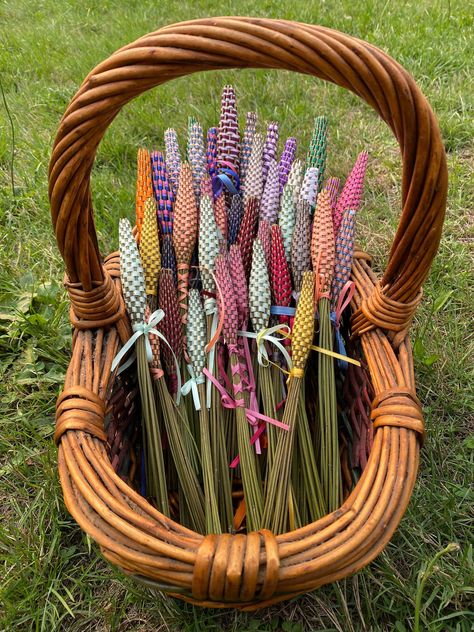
[(244, 571)]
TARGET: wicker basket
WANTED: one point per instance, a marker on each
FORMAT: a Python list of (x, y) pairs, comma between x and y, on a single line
[(254, 570)]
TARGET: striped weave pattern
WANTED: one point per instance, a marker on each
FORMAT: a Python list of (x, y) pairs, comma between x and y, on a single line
[(270, 203), (234, 218), (351, 194), (162, 191), (344, 253), (317, 153), (270, 147), (247, 232), (279, 269), (211, 151), (286, 160), (226, 302), (150, 248), (228, 136), (287, 218), (239, 282), (197, 157), (144, 188)]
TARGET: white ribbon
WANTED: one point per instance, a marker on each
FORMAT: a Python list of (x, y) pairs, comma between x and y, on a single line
[(144, 329), (192, 386), (266, 335)]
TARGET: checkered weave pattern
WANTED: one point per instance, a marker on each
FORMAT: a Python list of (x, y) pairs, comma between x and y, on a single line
[(344, 253), (228, 136), (287, 218), (170, 324), (163, 193), (185, 217), (197, 157), (196, 332), (206, 188), (208, 243), (173, 158), (270, 147), (318, 147), (150, 248), (131, 273), (351, 194), (332, 185), (246, 148), (226, 303), (301, 245), (254, 177), (270, 203), (279, 270), (234, 218), (168, 257), (239, 282), (220, 213), (264, 235), (309, 187), (144, 187), (259, 289), (303, 327), (286, 160), (295, 178), (211, 151), (247, 232), (322, 243)]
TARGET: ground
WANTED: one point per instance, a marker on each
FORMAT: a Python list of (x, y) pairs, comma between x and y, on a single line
[(53, 576)]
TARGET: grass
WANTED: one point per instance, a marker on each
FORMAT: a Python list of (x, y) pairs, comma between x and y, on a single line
[(53, 577)]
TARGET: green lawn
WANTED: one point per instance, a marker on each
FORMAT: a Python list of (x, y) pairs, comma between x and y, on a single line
[(52, 577)]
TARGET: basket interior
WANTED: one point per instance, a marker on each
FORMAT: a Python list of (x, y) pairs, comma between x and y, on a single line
[(354, 397)]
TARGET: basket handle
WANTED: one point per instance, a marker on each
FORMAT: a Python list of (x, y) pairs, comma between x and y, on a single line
[(219, 43)]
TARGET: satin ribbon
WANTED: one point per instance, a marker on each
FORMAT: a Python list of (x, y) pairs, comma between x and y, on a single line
[(253, 416), (344, 298), (282, 310), (191, 386), (222, 179), (266, 335), (144, 329), (248, 380)]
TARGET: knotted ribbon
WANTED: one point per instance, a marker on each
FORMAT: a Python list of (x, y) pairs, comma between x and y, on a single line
[(144, 329), (266, 335), (253, 416), (192, 386)]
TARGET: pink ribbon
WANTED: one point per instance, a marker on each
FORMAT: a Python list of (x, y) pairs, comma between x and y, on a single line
[(343, 300), (253, 416)]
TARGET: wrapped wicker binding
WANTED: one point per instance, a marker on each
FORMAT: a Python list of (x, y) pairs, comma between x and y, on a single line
[(253, 570)]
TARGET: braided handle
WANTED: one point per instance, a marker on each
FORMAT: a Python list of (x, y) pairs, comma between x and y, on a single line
[(218, 43)]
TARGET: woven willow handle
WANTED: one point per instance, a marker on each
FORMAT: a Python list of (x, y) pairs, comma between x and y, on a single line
[(218, 43)]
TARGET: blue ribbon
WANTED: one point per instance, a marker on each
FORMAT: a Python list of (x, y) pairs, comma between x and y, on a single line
[(281, 310), (222, 180), (191, 386), (339, 342), (144, 329)]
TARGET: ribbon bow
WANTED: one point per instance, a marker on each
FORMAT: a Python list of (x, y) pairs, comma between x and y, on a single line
[(266, 335), (223, 179), (192, 386), (144, 329)]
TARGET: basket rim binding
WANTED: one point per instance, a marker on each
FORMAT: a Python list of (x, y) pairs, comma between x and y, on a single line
[(254, 570)]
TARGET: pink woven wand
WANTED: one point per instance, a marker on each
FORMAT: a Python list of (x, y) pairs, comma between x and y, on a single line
[(250, 471), (351, 194), (228, 136)]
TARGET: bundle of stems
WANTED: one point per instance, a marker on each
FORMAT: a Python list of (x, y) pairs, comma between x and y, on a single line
[(133, 288), (196, 329), (323, 255), (250, 471), (279, 499)]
